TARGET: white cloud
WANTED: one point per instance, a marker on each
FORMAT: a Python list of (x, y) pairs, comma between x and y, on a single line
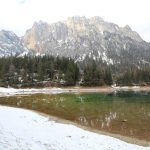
[(19, 15), (21, 1)]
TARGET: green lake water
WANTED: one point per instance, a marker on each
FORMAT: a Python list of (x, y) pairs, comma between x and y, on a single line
[(125, 113)]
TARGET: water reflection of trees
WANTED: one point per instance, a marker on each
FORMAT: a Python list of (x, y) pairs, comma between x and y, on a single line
[(99, 121)]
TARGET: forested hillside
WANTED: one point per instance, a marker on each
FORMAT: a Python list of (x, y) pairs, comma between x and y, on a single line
[(60, 71)]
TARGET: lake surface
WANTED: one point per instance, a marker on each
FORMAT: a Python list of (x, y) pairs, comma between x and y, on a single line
[(125, 113)]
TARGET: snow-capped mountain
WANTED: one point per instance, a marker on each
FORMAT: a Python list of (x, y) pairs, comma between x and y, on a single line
[(80, 38), (10, 44)]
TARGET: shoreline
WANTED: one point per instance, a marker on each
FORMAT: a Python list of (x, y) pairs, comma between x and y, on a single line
[(127, 139), (100, 132), (62, 133), (74, 89), (82, 90), (107, 89)]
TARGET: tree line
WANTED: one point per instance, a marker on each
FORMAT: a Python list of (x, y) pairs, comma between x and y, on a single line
[(134, 76), (50, 71), (60, 71)]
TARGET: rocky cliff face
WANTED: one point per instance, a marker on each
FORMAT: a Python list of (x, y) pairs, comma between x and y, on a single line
[(10, 44), (80, 37)]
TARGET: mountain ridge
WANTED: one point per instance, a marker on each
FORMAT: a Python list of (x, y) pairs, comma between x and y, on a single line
[(81, 38)]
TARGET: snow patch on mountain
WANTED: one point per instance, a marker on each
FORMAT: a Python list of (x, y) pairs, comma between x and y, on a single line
[(106, 59)]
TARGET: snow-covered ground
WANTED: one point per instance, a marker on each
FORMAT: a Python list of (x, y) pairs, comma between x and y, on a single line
[(26, 130), (13, 91)]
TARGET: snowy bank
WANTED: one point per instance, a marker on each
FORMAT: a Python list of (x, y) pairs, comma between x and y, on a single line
[(53, 90), (13, 91), (24, 129)]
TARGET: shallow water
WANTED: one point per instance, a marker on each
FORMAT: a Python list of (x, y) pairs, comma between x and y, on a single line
[(125, 113)]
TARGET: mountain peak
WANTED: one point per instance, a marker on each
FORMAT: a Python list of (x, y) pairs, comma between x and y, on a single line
[(39, 24), (127, 27), (97, 19), (79, 38), (10, 44), (7, 33)]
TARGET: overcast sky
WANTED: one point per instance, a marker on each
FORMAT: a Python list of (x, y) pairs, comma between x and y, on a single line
[(19, 15)]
